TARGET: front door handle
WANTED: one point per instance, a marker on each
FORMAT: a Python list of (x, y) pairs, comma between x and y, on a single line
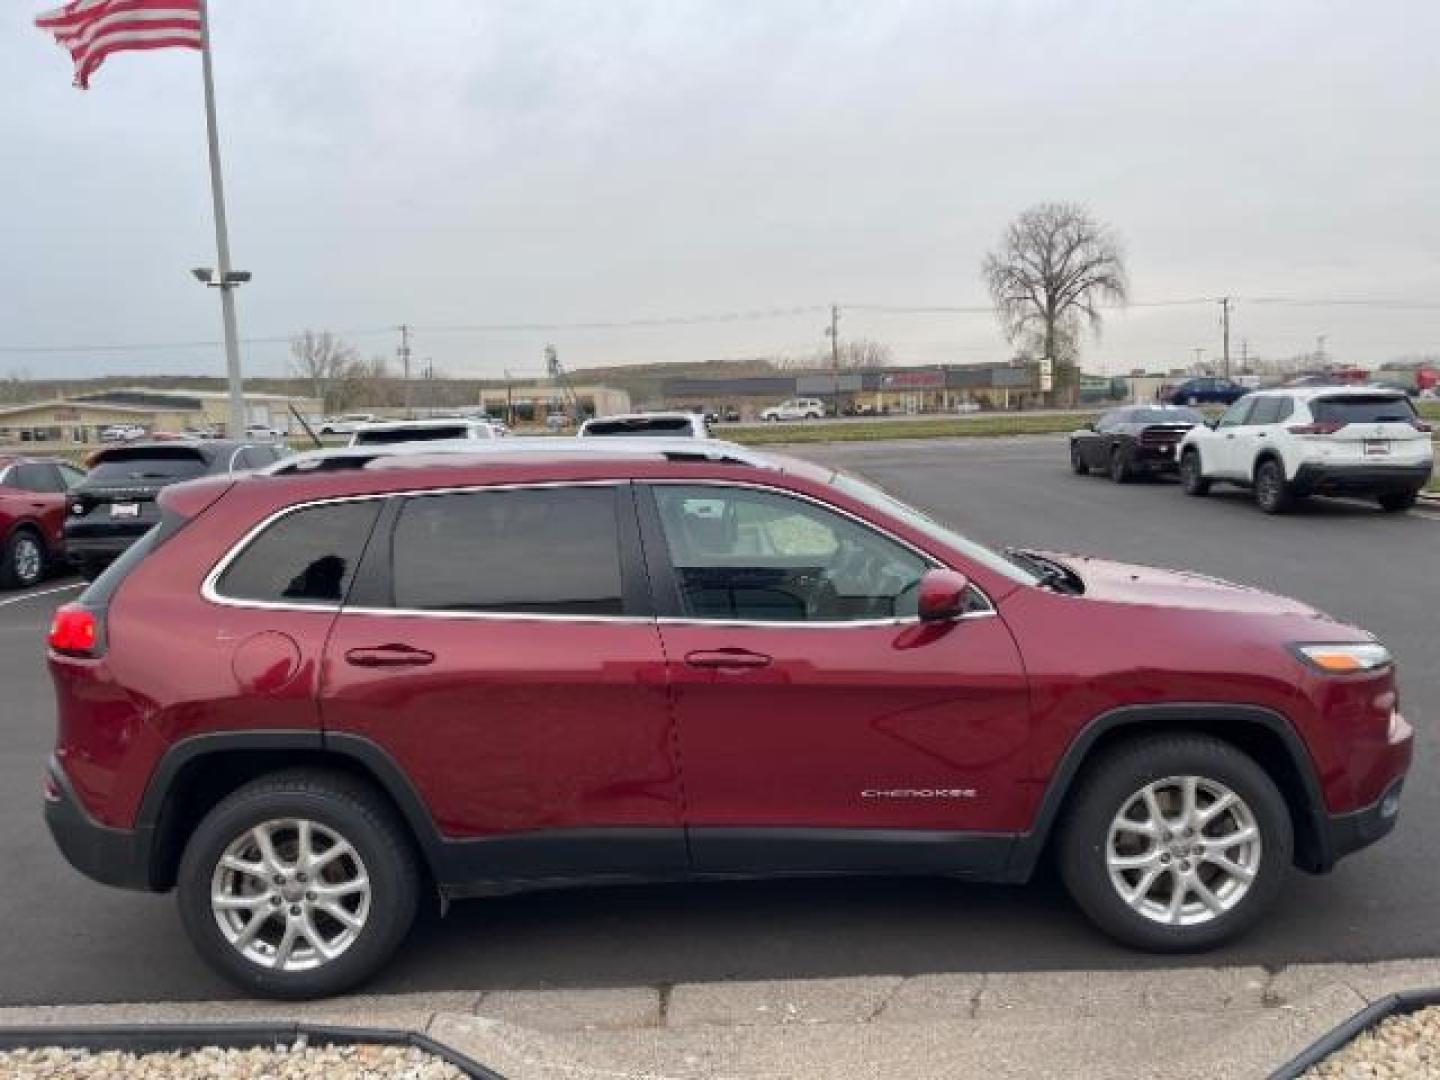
[(389, 656), (727, 659)]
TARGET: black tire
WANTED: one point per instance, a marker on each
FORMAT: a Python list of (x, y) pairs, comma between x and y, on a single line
[(23, 560), (1077, 460), (1120, 470), (1272, 493), (1398, 502), (352, 810), (1192, 475), (1112, 781)]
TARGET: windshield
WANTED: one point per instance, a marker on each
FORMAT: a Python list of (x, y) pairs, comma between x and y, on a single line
[(1165, 416), (1367, 409), (882, 500)]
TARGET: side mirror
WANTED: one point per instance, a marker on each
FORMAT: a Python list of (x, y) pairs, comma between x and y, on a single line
[(942, 595)]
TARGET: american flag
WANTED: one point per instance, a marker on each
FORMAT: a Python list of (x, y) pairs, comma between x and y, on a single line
[(93, 29)]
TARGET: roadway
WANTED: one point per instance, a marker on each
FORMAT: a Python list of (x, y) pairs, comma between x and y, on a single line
[(68, 940)]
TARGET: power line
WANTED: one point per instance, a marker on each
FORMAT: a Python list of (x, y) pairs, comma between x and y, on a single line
[(715, 318)]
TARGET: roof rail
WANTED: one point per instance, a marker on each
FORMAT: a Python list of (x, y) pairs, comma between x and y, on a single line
[(427, 453)]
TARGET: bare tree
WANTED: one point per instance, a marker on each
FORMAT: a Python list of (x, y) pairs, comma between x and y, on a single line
[(321, 357), (1055, 268), (856, 354)]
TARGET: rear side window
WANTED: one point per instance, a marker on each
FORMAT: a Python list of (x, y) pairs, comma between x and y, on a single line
[(552, 551), (306, 557), (673, 426), (159, 463), (1363, 409)]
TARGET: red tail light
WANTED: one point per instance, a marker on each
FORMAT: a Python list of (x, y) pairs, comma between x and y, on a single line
[(1328, 428), (75, 631)]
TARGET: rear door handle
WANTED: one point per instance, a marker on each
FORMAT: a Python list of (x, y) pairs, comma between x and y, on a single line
[(389, 656), (727, 659)]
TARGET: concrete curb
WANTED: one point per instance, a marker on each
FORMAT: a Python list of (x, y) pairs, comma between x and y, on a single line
[(1337, 1038), (1081, 1025)]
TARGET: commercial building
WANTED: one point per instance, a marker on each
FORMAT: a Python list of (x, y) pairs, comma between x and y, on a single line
[(932, 389), (533, 402), (81, 419)]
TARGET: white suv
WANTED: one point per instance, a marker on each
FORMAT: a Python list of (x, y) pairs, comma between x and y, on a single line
[(383, 433), (795, 409), (1319, 440)]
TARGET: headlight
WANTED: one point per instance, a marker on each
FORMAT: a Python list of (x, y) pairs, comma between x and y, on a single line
[(1343, 659)]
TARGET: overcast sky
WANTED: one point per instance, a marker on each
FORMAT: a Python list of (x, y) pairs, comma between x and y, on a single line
[(461, 163)]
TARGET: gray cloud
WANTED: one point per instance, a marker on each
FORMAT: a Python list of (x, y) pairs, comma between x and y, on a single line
[(456, 162)]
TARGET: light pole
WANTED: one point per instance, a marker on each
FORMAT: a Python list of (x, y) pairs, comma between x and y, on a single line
[(227, 281)]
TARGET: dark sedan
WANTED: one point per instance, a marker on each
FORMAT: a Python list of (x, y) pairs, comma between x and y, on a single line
[(1130, 442), (1207, 390), (115, 504)]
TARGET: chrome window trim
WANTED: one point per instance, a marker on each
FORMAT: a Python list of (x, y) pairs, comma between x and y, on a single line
[(934, 562), (210, 593)]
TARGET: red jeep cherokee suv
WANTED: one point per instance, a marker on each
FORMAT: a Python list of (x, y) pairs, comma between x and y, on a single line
[(309, 697)]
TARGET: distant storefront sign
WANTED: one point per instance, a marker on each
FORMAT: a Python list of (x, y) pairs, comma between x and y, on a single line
[(913, 380)]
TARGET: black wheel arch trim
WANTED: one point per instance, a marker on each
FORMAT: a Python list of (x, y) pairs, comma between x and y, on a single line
[(1031, 846)]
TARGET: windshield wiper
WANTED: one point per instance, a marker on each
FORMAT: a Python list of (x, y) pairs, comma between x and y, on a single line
[(1048, 573)]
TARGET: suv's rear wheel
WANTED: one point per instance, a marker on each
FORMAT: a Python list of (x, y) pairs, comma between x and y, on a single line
[(1192, 475), (1395, 502), (1176, 843), (1272, 494), (298, 885), (22, 563)]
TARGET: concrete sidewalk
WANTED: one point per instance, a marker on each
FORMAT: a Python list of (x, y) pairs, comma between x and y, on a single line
[(1194, 1022)]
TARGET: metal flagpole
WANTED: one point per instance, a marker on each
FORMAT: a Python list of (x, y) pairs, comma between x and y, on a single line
[(236, 427)]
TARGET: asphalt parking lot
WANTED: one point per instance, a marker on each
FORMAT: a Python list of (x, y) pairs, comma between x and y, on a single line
[(67, 940)]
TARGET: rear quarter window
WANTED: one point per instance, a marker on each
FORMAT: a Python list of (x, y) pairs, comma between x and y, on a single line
[(307, 557)]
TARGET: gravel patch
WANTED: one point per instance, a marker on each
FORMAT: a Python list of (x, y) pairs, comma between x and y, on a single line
[(297, 1062), (1398, 1048)]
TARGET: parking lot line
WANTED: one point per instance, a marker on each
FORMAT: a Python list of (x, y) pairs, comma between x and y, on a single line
[(43, 592)]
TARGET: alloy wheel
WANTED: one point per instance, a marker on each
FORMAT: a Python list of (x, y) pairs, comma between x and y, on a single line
[(29, 560), (290, 894), (1183, 851)]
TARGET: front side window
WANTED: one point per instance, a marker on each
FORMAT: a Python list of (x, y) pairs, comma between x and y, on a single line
[(1237, 413), (37, 478), (307, 557), (759, 556), (1266, 410), (549, 551)]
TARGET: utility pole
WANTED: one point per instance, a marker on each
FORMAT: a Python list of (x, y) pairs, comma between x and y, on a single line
[(1245, 353), (509, 399), (1225, 318), (404, 352), (1320, 350), (833, 333)]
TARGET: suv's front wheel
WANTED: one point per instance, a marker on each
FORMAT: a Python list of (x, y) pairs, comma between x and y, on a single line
[(298, 885), (1175, 843), (1192, 475)]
